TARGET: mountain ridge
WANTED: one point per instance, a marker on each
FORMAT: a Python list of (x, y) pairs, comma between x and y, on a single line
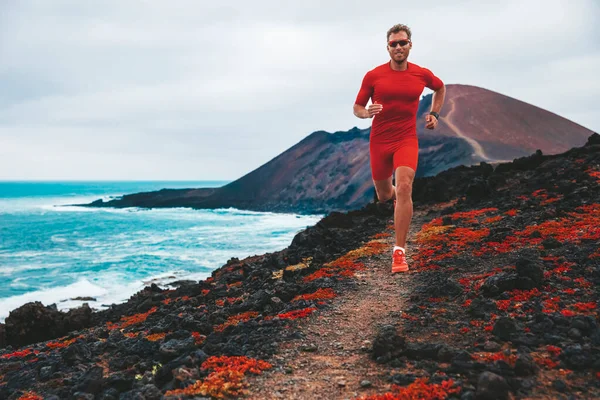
[(330, 171)]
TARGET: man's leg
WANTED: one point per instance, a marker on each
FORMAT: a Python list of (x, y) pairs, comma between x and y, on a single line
[(385, 190), (404, 205)]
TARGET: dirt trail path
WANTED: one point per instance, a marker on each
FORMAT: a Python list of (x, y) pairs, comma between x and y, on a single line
[(342, 337), (478, 150)]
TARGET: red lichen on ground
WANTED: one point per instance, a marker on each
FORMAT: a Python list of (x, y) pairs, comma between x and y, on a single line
[(418, 390), (439, 242), (555, 351), (63, 344), (491, 220), (198, 338), (130, 320), (347, 265), (232, 300), (320, 294), (20, 354), (593, 173), (155, 337), (170, 300), (31, 396), (470, 216), (581, 225), (585, 307), (236, 319), (382, 235), (305, 312), (226, 378), (510, 359)]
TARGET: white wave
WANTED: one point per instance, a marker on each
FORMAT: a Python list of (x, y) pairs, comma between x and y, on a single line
[(108, 289), (52, 295), (58, 239), (27, 267)]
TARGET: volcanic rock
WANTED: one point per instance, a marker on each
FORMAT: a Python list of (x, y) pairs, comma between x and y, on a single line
[(387, 344), (491, 387), (504, 328), (576, 358), (481, 308), (500, 283), (33, 323), (530, 267), (174, 347), (525, 365)]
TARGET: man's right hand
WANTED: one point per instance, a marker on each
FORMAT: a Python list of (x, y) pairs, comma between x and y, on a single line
[(374, 109)]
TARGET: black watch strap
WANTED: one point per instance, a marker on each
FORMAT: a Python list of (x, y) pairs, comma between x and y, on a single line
[(436, 115)]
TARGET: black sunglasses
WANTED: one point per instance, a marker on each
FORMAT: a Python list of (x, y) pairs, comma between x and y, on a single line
[(395, 43)]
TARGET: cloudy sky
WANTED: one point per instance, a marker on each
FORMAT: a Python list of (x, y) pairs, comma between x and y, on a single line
[(193, 90)]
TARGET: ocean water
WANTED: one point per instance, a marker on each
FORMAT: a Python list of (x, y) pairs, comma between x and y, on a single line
[(52, 252)]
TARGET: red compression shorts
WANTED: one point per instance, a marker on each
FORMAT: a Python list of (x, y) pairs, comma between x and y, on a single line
[(386, 157)]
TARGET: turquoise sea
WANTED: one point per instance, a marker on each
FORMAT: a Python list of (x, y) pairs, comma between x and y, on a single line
[(52, 252)]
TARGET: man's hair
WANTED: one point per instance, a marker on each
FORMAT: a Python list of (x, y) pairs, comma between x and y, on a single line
[(397, 28)]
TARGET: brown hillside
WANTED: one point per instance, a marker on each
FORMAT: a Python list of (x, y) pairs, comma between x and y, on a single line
[(501, 127), (330, 171)]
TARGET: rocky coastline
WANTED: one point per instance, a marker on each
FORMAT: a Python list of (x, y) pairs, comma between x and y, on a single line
[(505, 303)]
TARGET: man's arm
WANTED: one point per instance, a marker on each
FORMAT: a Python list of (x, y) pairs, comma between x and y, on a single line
[(438, 99), (436, 106), (362, 112)]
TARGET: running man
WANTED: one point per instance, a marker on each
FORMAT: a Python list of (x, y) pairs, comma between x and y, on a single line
[(394, 89)]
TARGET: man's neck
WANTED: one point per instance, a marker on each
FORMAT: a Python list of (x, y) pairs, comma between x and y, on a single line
[(403, 66)]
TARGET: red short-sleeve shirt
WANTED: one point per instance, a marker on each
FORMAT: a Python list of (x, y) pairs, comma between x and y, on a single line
[(399, 93)]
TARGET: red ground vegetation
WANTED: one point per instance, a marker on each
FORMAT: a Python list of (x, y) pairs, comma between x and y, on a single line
[(236, 319), (347, 265), (226, 378), (31, 396), (418, 390), (130, 320), (320, 294), (155, 337), (297, 313), (20, 354), (63, 344)]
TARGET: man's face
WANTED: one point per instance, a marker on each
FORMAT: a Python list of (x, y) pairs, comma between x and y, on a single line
[(400, 52)]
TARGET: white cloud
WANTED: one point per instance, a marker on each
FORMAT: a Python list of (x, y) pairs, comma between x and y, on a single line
[(114, 89)]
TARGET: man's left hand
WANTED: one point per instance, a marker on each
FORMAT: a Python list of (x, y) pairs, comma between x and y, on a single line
[(431, 121)]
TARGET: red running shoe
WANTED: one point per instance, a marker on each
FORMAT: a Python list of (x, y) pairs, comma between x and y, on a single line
[(399, 261)]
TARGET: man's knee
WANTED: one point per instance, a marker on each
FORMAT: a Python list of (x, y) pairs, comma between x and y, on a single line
[(404, 188), (384, 196), (384, 189)]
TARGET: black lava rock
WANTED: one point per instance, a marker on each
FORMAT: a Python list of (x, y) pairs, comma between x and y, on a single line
[(491, 387), (530, 267), (576, 358), (2, 336), (481, 308), (387, 344), (500, 283), (504, 328), (525, 365), (77, 353), (91, 382), (551, 243), (174, 348)]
